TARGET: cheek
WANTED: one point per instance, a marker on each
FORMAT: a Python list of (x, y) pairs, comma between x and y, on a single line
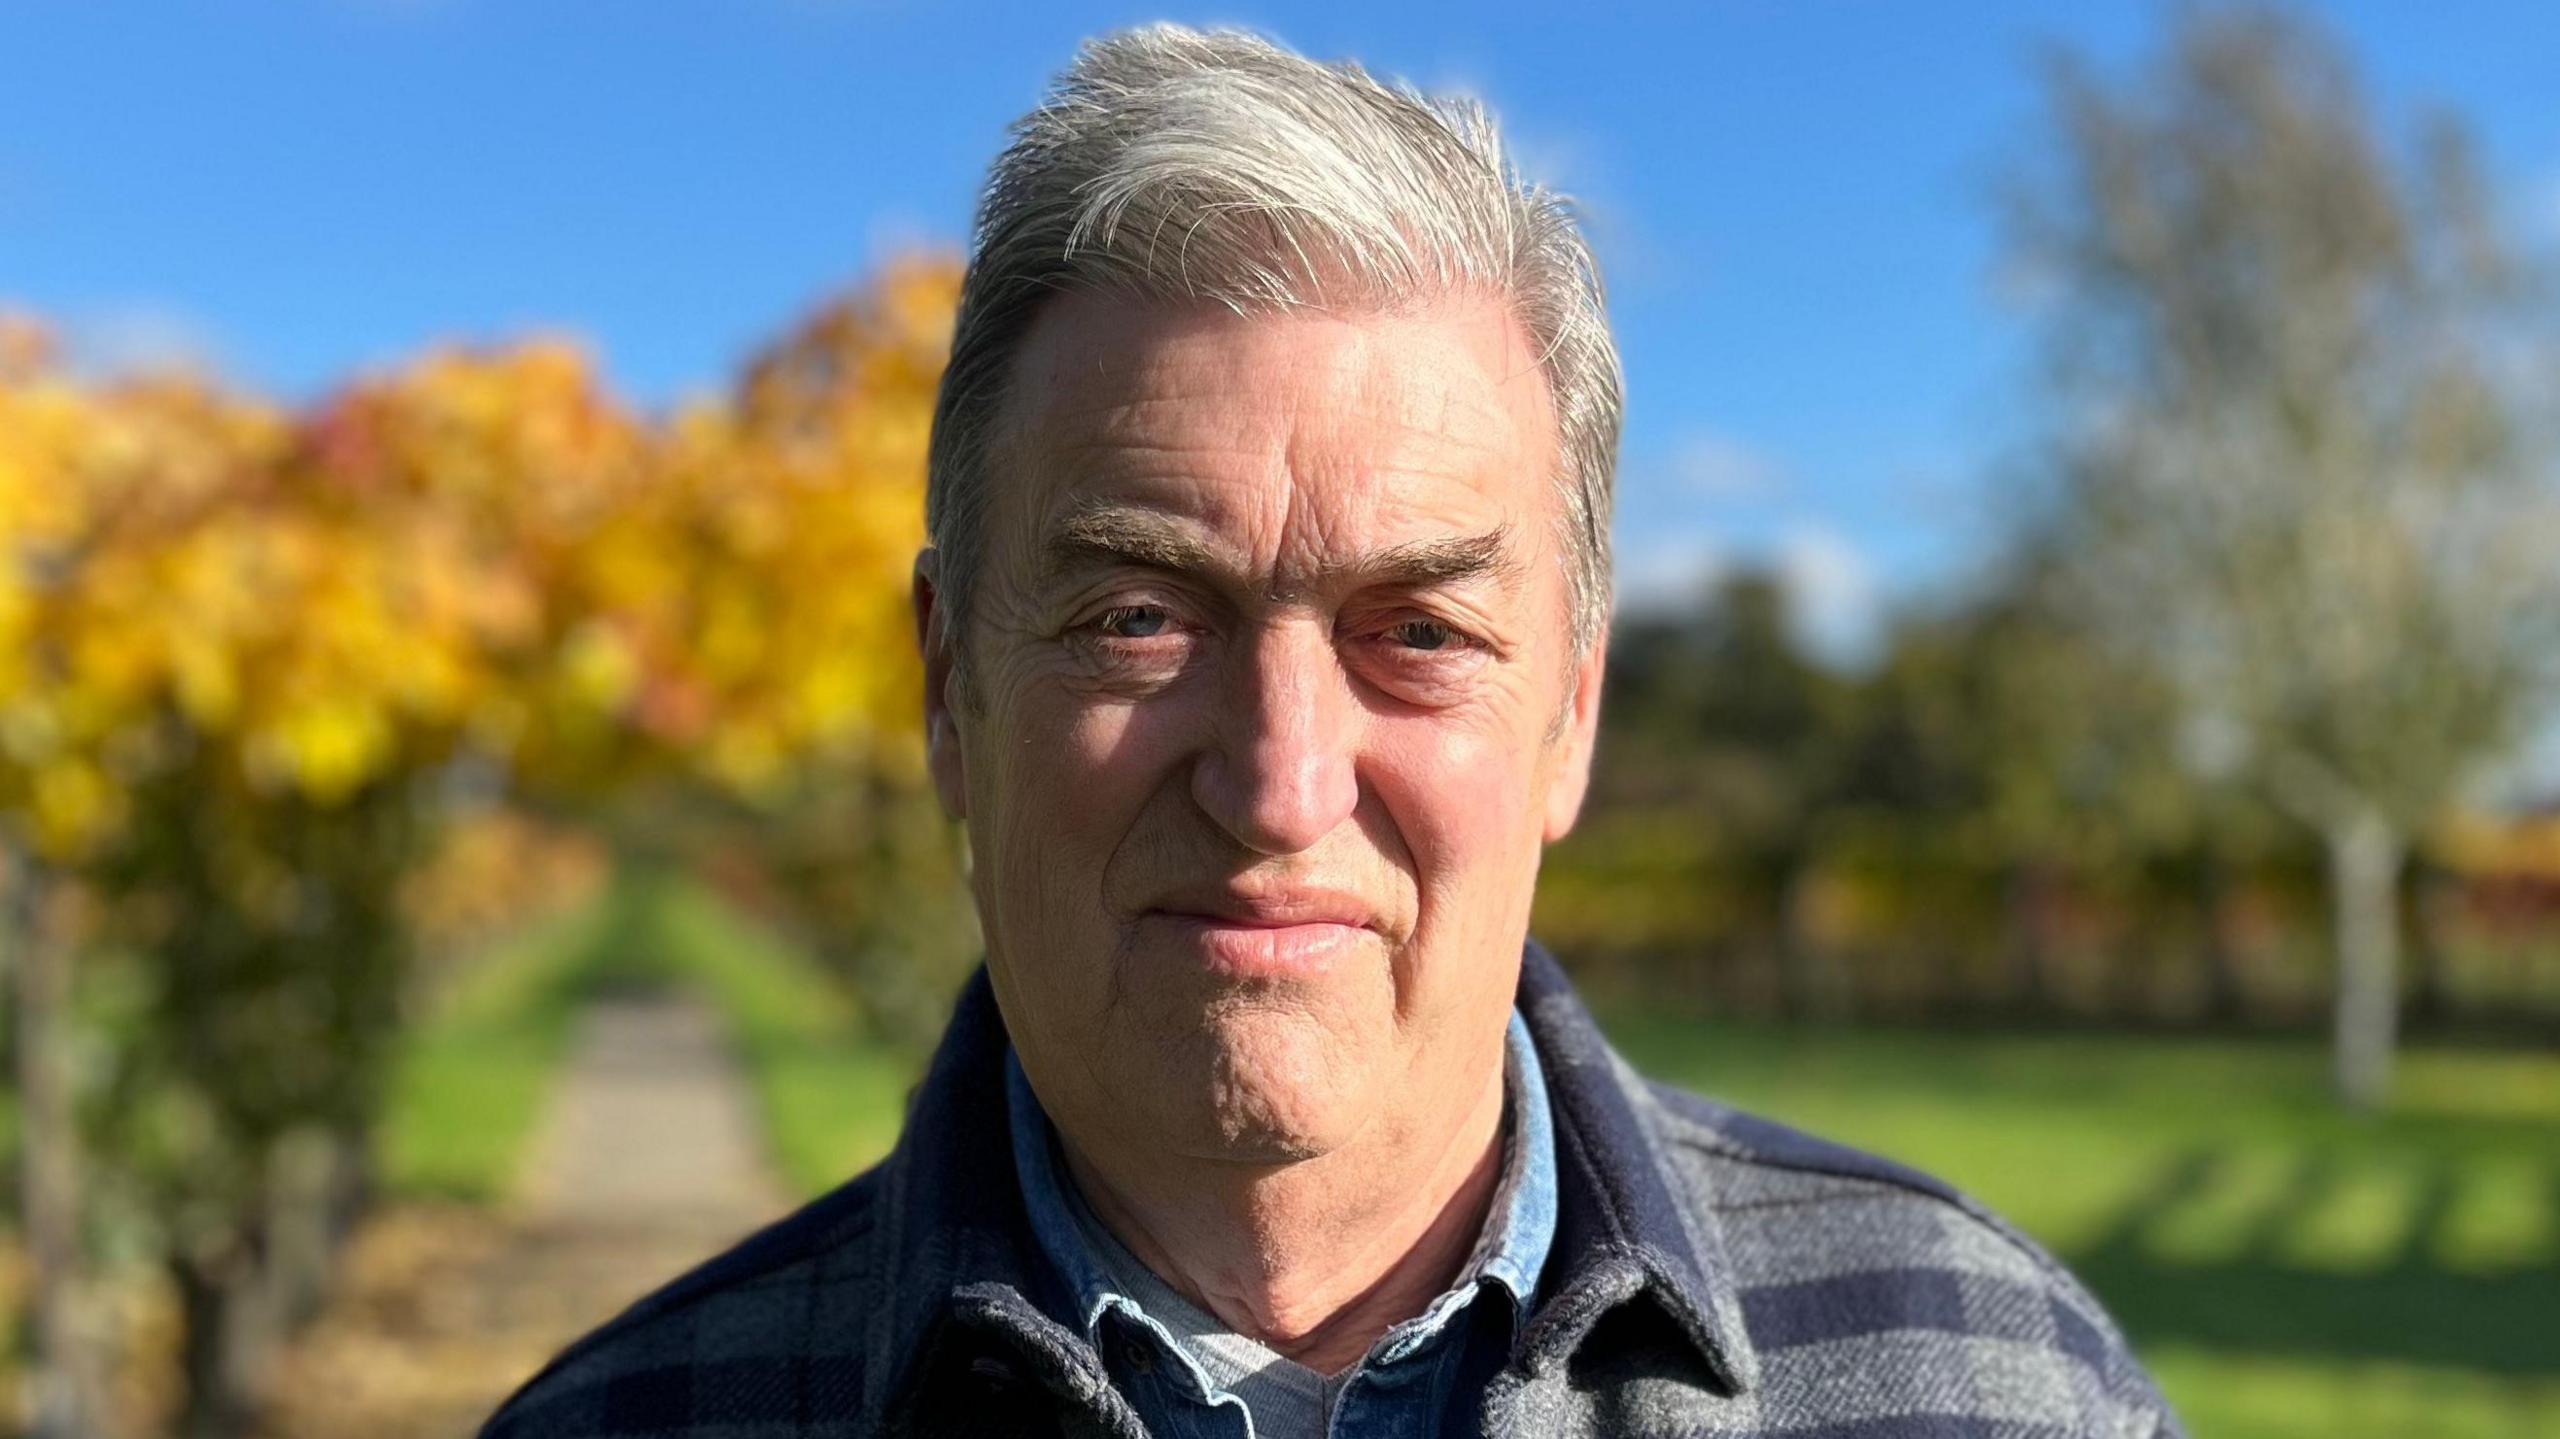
[(1058, 784), (1464, 801)]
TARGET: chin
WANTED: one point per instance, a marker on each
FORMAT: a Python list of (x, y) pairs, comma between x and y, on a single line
[(1270, 1089)]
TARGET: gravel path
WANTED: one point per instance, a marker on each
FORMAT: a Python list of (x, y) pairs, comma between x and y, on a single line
[(649, 1159), (652, 1136)]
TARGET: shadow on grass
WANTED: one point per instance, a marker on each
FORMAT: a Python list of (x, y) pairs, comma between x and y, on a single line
[(2257, 1294)]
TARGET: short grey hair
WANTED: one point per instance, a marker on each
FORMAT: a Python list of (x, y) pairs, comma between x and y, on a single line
[(1174, 165)]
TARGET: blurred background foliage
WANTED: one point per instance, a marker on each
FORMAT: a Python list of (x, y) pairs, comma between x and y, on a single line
[(350, 753), (302, 709)]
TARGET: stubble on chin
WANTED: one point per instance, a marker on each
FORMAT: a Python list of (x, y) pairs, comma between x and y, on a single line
[(1258, 1074), (1274, 1084)]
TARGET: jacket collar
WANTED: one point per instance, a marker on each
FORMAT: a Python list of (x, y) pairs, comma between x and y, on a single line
[(1625, 1232), (967, 1290)]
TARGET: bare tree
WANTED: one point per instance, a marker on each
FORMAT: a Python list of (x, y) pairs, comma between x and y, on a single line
[(2286, 364)]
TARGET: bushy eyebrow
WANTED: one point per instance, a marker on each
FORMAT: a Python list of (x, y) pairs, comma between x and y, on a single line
[(1103, 535), (1100, 536)]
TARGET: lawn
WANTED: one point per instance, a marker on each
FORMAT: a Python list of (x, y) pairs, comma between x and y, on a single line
[(2286, 1268)]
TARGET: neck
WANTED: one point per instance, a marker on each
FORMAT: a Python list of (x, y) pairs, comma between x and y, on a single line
[(1317, 1258)]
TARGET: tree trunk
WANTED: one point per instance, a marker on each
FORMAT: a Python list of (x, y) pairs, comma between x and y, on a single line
[(2028, 900), (227, 1333), (65, 1384), (1813, 983), (2365, 854), (320, 1188), (2222, 986), (2430, 952)]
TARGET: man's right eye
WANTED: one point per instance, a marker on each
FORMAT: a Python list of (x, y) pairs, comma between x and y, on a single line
[(1133, 622)]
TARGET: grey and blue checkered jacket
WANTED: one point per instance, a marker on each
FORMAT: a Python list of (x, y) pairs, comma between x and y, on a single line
[(1712, 1275)]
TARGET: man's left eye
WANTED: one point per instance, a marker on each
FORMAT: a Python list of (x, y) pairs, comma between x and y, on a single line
[(1424, 635)]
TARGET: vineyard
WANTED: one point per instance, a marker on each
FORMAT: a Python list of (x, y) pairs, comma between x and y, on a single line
[(291, 701)]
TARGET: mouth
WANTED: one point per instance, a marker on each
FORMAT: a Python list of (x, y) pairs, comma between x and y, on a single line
[(1244, 950), (1279, 936)]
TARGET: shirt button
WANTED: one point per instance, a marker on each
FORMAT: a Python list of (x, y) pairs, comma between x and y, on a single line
[(1140, 1358)]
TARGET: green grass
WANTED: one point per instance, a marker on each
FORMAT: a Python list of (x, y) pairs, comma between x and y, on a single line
[(469, 1081), (2288, 1269), (831, 1098)]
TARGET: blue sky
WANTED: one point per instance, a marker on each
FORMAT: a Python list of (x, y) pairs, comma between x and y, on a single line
[(1790, 199)]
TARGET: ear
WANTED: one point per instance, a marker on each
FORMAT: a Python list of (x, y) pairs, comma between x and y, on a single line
[(1572, 776), (941, 723)]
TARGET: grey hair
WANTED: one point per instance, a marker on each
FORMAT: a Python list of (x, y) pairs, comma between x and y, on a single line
[(1175, 165)]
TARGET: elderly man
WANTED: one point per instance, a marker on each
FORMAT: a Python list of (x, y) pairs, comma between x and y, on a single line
[(1263, 629)]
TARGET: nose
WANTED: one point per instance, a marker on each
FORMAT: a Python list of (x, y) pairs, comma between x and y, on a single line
[(1280, 774)]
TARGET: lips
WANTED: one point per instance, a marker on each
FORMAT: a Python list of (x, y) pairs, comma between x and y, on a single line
[(1270, 909), (1266, 934)]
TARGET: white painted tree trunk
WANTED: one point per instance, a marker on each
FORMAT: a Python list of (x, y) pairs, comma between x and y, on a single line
[(2365, 852)]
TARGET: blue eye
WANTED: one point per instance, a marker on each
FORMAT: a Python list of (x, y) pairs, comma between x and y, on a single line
[(1133, 622)]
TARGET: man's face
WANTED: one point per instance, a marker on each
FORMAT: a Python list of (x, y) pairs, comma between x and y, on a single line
[(1272, 710)]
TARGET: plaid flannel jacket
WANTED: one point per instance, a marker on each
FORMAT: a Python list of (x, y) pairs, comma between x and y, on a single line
[(1713, 1276)]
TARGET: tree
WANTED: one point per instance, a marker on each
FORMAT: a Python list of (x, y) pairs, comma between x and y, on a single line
[(1720, 716), (235, 664), (1993, 733), (245, 655), (2291, 469)]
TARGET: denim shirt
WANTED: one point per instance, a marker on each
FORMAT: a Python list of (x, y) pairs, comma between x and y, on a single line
[(1189, 1378)]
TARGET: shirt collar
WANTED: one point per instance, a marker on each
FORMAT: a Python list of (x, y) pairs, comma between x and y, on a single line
[(1048, 1207), (1519, 1228)]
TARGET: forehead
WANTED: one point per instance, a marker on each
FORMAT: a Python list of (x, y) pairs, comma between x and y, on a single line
[(1340, 428)]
